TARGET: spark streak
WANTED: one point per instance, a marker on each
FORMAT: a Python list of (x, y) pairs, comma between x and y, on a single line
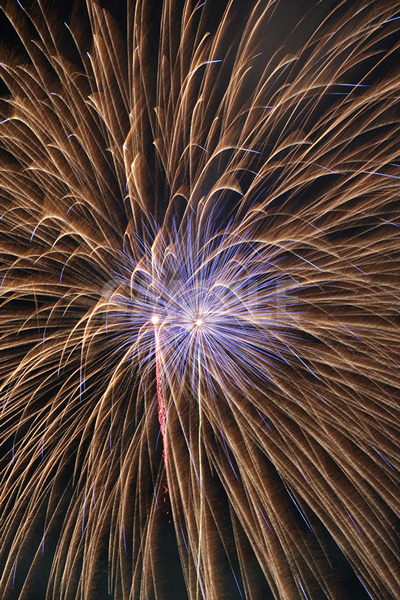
[(162, 415)]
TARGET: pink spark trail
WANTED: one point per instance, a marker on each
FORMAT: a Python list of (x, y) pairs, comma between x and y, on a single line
[(162, 415)]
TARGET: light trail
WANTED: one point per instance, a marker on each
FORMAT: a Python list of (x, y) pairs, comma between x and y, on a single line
[(162, 415)]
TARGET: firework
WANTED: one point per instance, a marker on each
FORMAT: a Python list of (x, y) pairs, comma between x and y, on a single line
[(200, 294)]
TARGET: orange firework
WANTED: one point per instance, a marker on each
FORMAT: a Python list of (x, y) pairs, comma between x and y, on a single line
[(199, 300)]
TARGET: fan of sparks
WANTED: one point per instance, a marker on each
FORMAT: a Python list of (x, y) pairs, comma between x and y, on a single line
[(199, 301)]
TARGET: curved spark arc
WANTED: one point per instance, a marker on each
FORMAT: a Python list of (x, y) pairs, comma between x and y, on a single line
[(221, 174)]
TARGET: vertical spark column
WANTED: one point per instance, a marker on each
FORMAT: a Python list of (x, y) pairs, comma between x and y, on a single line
[(199, 581), (162, 415)]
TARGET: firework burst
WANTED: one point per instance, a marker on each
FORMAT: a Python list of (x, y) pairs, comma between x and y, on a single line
[(200, 294)]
